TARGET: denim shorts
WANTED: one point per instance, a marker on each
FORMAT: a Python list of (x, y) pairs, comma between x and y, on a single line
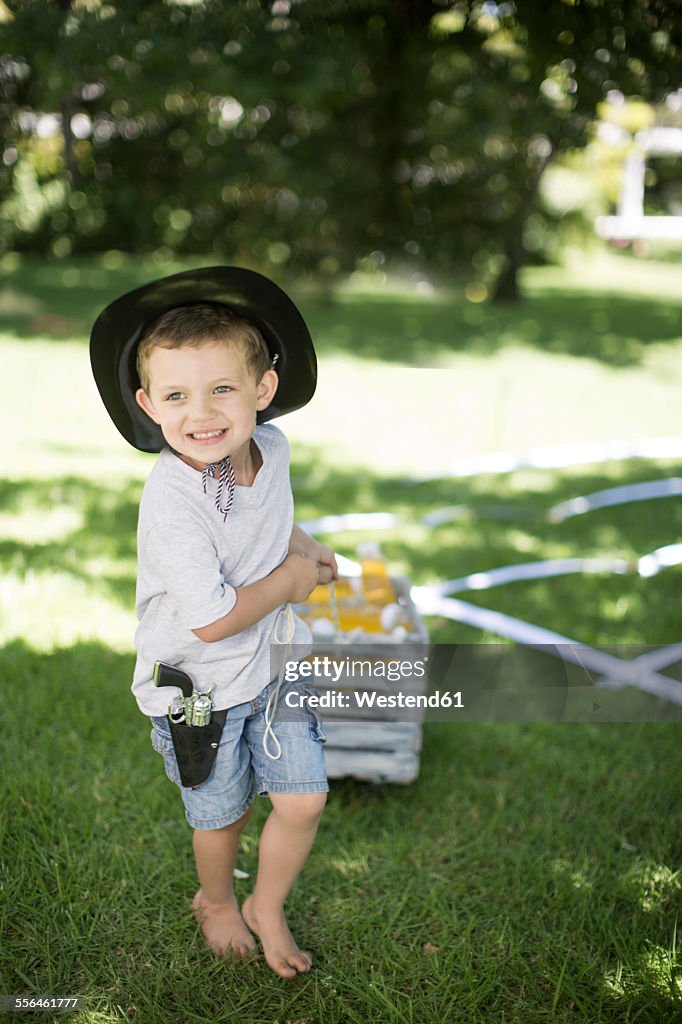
[(242, 768)]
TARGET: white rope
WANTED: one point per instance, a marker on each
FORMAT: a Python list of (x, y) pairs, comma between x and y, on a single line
[(334, 608), (271, 706)]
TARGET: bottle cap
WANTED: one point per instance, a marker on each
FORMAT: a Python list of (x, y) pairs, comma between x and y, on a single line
[(369, 549)]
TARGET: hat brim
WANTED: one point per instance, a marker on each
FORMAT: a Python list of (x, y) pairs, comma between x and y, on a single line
[(118, 328)]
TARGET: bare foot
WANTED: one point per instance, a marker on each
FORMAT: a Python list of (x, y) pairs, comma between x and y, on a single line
[(281, 952), (223, 927)]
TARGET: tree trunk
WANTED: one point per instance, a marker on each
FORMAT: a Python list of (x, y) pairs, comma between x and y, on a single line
[(507, 284)]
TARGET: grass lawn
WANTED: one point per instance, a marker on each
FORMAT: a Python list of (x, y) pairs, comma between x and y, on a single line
[(532, 872)]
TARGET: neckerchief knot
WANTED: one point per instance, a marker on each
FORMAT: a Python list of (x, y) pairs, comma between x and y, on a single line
[(226, 477)]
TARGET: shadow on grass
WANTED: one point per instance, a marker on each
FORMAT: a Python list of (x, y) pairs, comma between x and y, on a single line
[(502, 523), (476, 883), (396, 329), (62, 300), (105, 534), (411, 332)]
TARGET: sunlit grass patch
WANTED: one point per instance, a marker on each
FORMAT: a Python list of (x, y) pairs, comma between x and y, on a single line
[(34, 525), (58, 609), (653, 884), (656, 970)]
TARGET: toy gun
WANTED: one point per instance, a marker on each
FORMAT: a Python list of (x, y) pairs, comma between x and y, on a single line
[(193, 708), (195, 728)]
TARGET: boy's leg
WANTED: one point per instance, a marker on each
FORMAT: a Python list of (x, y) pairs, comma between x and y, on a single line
[(215, 904), (285, 843)]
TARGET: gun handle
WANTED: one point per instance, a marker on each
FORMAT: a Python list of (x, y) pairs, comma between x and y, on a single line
[(169, 675)]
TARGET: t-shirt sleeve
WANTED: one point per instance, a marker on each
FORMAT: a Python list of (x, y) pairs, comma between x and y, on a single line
[(186, 565), (281, 442)]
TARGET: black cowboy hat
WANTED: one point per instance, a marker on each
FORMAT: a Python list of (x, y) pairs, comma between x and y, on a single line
[(117, 330)]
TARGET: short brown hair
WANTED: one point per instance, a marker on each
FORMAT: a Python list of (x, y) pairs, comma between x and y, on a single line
[(199, 324)]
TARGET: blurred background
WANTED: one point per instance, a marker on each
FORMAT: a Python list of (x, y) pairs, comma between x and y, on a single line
[(420, 138)]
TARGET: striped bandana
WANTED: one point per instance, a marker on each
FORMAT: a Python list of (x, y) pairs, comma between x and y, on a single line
[(226, 477)]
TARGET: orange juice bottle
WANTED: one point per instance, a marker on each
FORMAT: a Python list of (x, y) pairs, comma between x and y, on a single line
[(368, 618), (376, 582), (320, 595), (343, 591)]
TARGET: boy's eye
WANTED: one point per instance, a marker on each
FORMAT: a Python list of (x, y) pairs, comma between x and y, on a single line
[(222, 389), (174, 396)]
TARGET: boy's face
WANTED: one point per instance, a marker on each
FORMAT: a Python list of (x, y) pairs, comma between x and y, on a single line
[(205, 400)]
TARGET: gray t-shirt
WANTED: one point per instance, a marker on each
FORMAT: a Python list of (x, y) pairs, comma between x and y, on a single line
[(189, 563)]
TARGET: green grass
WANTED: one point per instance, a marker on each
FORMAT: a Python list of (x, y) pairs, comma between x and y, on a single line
[(531, 873), (528, 875)]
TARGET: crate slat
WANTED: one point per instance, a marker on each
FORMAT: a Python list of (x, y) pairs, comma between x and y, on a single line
[(385, 736), (368, 743), (372, 766)]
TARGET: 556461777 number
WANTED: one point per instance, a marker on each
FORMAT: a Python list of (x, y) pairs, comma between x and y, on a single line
[(55, 1003)]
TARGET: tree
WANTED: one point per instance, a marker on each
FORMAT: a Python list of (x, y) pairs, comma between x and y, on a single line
[(315, 135), (529, 79)]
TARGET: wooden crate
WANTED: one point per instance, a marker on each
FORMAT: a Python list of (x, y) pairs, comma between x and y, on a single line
[(385, 752), (369, 744)]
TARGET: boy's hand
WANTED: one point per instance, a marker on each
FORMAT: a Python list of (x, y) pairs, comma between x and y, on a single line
[(303, 575), (326, 563), (303, 544)]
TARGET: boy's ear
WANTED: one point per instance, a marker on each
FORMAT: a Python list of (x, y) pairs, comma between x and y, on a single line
[(266, 389), (145, 403)]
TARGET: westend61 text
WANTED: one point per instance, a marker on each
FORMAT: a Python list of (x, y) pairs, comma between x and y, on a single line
[(372, 699)]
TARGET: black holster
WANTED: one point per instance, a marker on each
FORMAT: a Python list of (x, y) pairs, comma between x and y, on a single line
[(196, 747)]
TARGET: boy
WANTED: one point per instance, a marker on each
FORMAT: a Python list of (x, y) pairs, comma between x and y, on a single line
[(219, 558)]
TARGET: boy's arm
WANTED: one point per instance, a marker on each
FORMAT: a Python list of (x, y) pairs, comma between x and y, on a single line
[(302, 543), (293, 580)]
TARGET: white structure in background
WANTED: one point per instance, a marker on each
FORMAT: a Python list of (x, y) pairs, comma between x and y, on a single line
[(630, 221), (435, 598)]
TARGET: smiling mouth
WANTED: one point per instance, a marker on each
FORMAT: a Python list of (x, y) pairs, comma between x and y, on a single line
[(207, 435)]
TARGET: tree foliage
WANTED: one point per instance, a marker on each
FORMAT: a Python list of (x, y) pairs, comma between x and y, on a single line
[(317, 135)]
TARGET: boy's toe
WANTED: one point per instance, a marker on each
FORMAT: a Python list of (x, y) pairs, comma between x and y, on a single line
[(284, 969), (244, 951), (301, 961)]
